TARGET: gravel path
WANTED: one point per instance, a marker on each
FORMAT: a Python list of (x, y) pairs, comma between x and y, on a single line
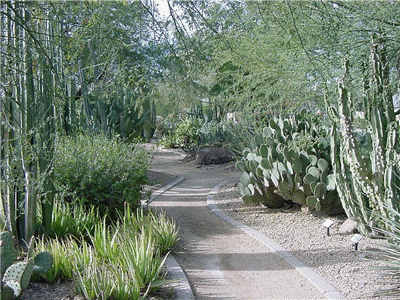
[(219, 259), (333, 257)]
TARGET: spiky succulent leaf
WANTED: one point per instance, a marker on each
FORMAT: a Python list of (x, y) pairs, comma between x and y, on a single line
[(245, 179), (243, 190), (253, 165), (314, 172), (274, 179), (251, 188), (282, 169), (20, 271), (266, 164), (330, 182), (263, 151), (313, 159), (324, 175), (267, 132), (308, 179), (312, 201), (297, 166), (322, 164)]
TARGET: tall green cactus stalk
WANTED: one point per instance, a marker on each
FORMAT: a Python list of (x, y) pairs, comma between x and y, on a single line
[(27, 118), (368, 186)]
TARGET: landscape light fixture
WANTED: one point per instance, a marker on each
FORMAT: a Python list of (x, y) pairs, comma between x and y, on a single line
[(356, 239), (327, 224)]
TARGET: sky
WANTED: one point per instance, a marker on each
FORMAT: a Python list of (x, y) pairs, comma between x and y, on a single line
[(163, 7)]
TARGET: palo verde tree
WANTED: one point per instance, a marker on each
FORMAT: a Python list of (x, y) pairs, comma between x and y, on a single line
[(285, 53)]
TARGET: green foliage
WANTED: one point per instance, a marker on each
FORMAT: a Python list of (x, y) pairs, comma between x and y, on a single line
[(15, 275), (94, 171), (290, 160), (118, 261), (388, 262), (72, 220), (185, 135)]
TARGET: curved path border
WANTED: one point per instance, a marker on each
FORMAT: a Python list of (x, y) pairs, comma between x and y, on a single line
[(180, 283), (317, 280)]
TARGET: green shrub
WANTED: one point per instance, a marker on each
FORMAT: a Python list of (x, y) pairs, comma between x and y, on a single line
[(185, 136), (100, 172)]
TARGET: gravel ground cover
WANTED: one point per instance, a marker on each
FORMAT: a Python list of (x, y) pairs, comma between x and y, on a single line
[(334, 257)]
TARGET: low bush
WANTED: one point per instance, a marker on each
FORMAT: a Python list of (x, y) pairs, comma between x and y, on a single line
[(191, 134), (185, 135), (95, 171)]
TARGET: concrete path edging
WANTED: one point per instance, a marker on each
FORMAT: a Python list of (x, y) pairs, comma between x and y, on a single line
[(317, 280), (162, 190), (181, 286)]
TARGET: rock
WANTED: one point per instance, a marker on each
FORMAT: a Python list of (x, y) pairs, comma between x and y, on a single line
[(79, 297), (348, 227), (211, 156)]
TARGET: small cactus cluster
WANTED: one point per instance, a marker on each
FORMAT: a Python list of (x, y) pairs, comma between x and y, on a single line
[(15, 275), (290, 161)]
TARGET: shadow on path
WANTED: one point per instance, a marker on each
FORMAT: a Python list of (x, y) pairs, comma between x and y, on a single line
[(220, 261)]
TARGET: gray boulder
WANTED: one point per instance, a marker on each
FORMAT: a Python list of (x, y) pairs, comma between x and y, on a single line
[(213, 156), (348, 227)]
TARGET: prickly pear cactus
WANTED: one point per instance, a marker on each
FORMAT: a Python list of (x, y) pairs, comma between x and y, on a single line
[(8, 252), (290, 161), (15, 275)]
